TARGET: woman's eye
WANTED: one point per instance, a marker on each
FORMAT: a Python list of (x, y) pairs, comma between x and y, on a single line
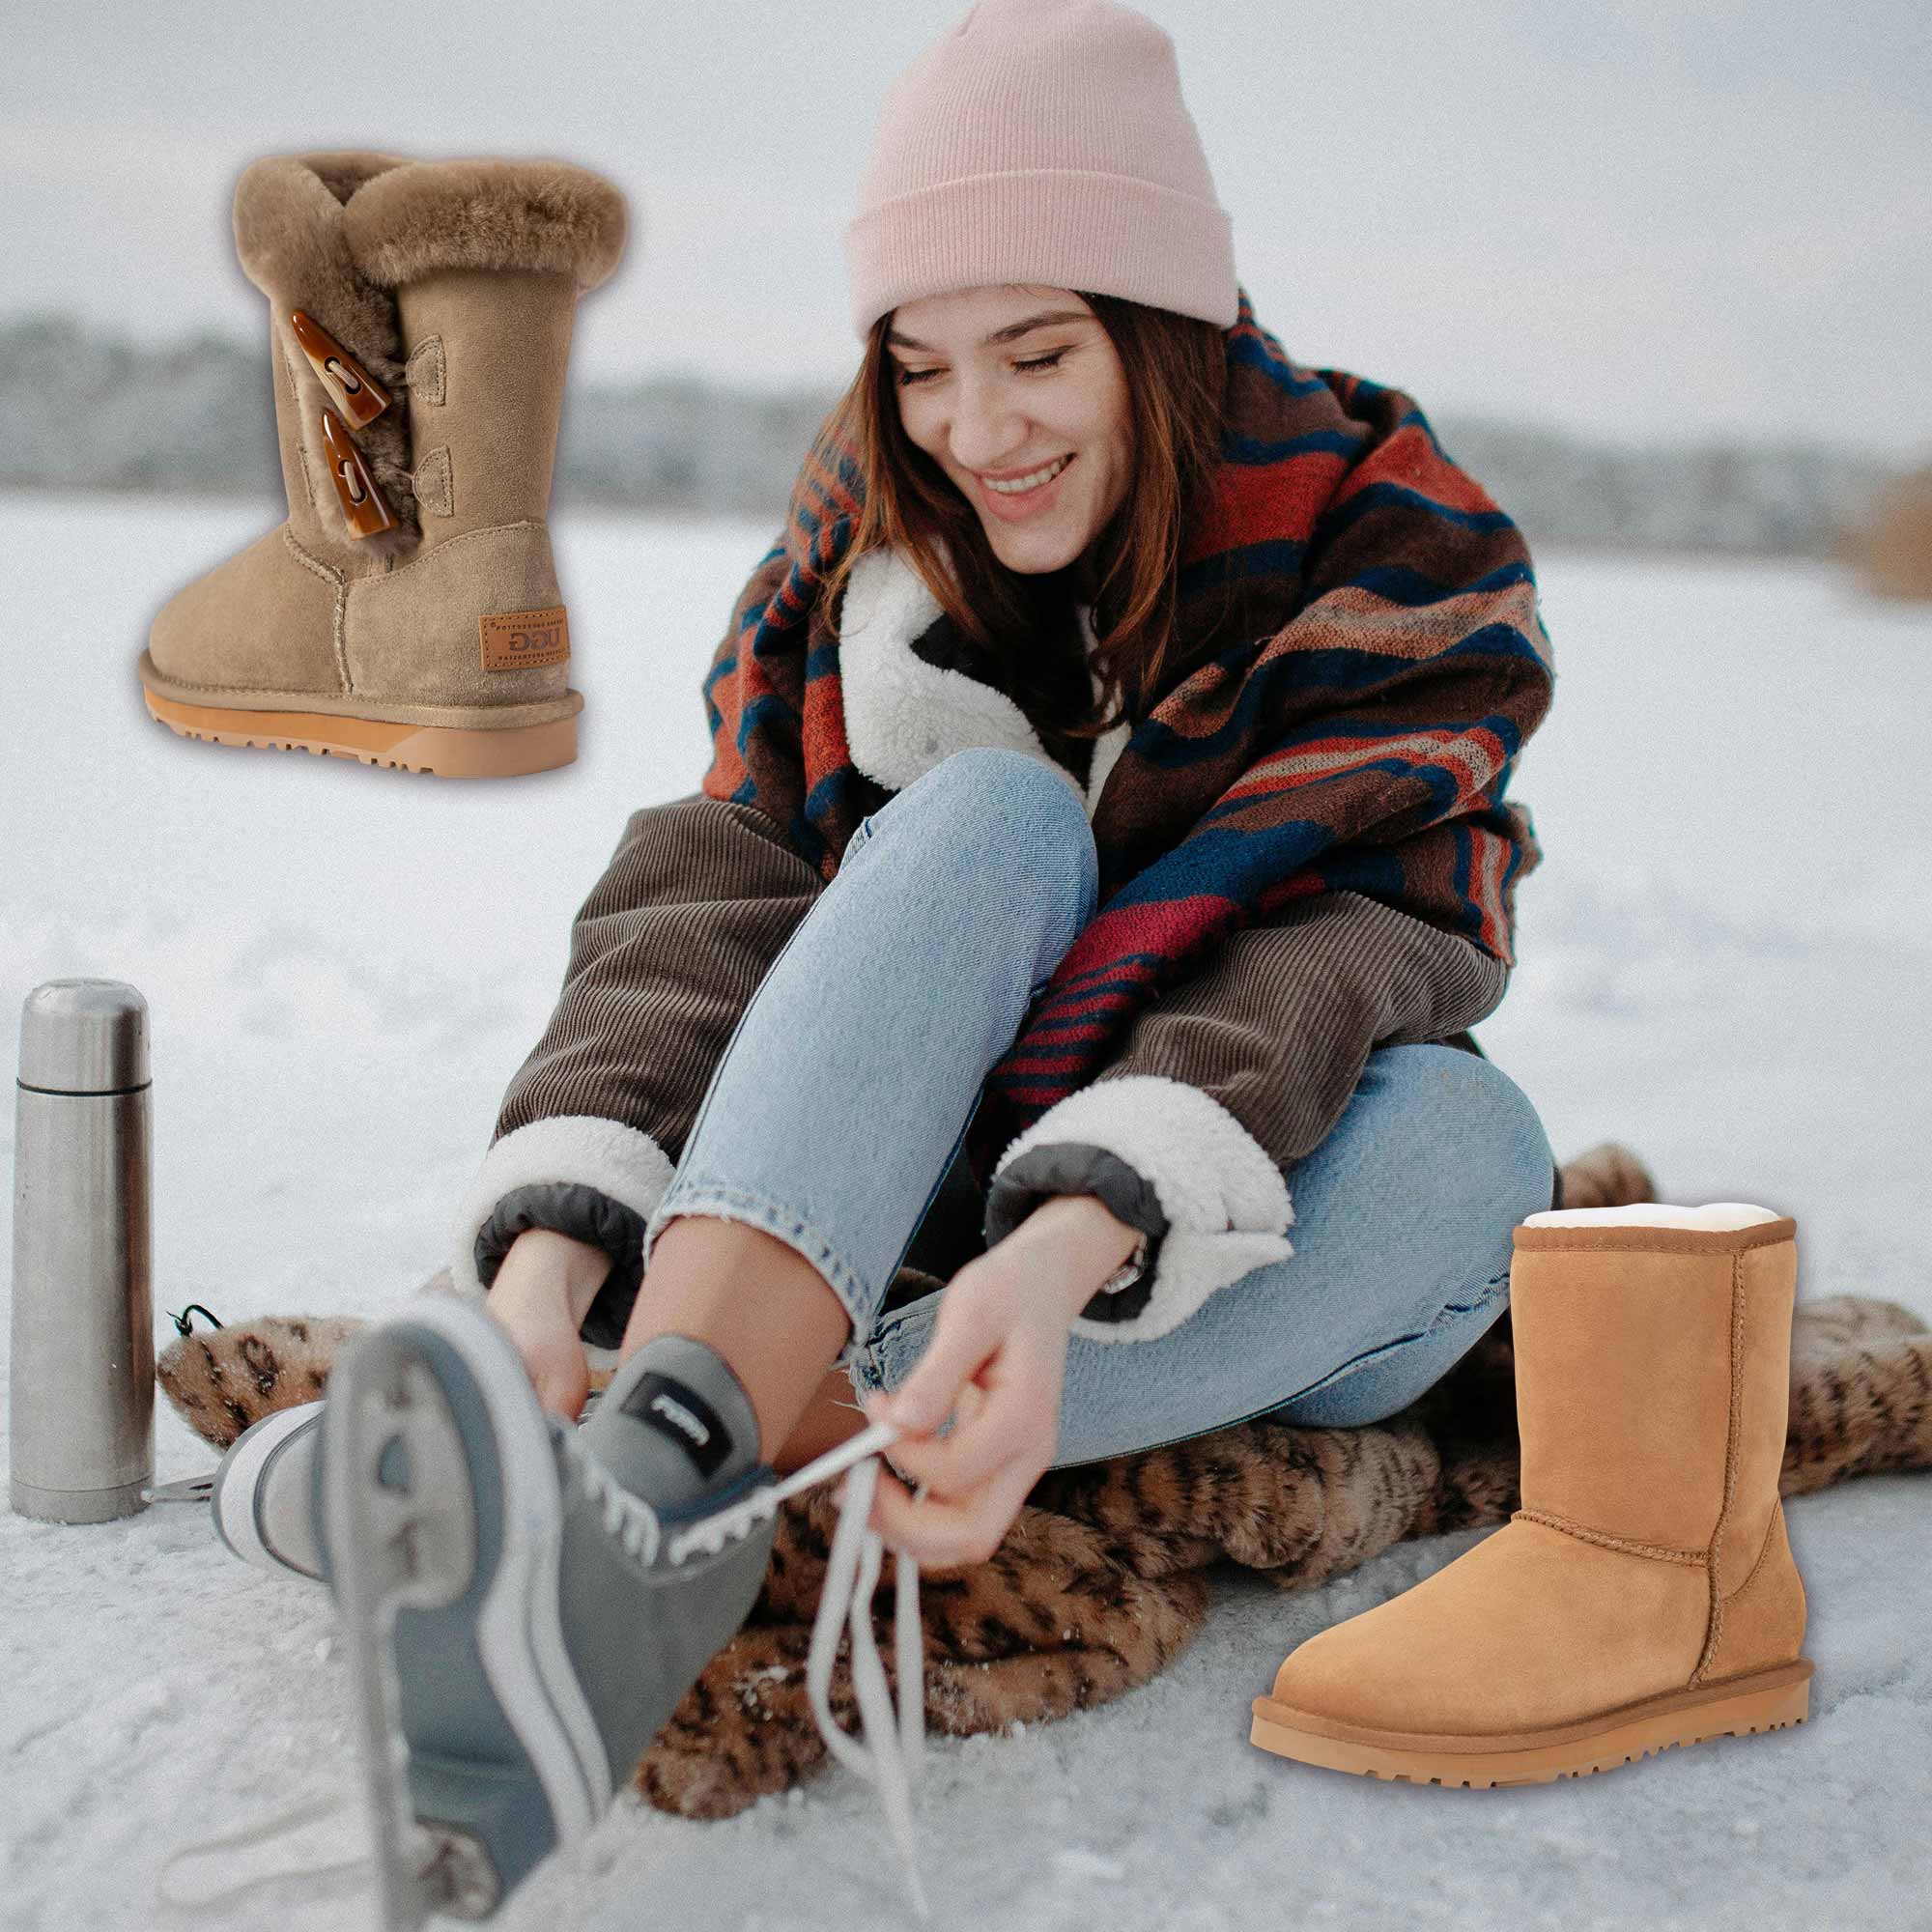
[(907, 377)]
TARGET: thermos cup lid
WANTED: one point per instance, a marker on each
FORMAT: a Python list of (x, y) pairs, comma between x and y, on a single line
[(84, 1036)]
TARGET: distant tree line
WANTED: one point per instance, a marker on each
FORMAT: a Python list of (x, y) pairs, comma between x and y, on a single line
[(83, 411)]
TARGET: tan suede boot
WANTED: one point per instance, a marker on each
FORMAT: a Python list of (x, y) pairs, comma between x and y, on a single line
[(407, 613), (1644, 1595)]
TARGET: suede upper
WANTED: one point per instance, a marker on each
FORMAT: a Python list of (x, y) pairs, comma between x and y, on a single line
[(1649, 1556), (454, 284)]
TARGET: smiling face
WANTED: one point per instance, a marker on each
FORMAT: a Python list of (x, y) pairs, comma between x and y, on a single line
[(997, 384)]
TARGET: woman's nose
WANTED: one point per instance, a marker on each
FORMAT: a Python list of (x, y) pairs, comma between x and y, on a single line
[(987, 430)]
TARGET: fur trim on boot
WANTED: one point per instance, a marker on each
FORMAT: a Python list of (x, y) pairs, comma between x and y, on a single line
[(407, 611), (336, 230)]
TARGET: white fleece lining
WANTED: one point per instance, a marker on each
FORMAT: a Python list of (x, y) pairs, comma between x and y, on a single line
[(903, 715), (623, 1162), (1226, 1200), (1718, 1214)]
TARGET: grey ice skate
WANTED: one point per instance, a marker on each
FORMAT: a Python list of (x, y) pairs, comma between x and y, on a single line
[(519, 1620), (262, 1493), (259, 1501)]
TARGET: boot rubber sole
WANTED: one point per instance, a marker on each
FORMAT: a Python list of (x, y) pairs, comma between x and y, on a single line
[(443, 751), (1765, 1700)]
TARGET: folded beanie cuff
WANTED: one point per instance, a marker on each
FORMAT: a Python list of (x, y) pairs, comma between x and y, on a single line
[(1059, 227)]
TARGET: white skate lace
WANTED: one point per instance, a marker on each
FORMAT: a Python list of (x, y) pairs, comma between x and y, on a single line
[(891, 1746)]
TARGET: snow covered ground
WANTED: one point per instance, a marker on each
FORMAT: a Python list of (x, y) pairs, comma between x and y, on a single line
[(1725, 960)]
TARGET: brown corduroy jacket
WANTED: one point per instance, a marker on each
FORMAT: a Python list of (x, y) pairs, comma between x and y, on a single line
[(1264, 1044)]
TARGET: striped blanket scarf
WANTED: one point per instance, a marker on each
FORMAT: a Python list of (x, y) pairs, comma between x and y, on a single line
[(1347, 718)]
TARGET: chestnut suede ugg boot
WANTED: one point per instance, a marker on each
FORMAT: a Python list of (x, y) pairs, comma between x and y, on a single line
[(1644, 1595), (407, 613)]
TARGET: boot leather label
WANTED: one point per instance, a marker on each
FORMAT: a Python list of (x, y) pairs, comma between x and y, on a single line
[(523, 639), (684, 1416)]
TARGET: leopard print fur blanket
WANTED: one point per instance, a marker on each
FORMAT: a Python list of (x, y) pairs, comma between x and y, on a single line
[(1104, 1577)]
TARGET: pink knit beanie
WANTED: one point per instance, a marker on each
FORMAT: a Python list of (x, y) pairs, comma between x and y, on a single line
[(1042, 141)]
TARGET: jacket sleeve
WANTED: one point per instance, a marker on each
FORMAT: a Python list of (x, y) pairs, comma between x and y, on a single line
[(666, 953), (1226, 1081)]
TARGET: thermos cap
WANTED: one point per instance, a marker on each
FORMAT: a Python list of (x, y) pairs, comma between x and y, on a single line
[(84, 1036)]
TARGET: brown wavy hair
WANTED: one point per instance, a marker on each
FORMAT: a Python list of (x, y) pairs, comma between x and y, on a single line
[(1175, 369)]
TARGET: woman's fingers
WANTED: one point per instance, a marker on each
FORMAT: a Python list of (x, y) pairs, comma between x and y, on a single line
[(996, 1364), (945, 1533), (878, 1407), (993, 1426), (963, 1336)]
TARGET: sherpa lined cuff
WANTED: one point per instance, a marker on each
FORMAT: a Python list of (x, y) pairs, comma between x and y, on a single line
[(588, 1215), (579, 1174), (1078, 1167), (1224, 1200)]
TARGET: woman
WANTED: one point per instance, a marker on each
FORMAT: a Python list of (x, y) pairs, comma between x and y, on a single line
[(1104, 827)]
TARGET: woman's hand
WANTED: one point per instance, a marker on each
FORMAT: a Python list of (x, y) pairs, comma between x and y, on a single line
[(543, 1289), (996, 1361)]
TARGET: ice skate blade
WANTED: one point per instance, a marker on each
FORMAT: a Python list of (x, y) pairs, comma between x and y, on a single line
[(184, 1490), (1766, 1700)]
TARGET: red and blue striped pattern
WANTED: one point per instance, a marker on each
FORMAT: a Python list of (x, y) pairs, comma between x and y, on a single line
[(1363, 661)]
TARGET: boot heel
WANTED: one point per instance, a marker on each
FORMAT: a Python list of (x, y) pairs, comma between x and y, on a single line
[(1750, 1710)]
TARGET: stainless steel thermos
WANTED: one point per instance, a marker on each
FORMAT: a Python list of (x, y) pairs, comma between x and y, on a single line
[(82, 1419)]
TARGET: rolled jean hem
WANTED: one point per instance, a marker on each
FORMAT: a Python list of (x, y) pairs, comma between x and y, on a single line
[(783, 1223)]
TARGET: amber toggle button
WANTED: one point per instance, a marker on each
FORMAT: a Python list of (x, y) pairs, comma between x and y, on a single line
[(361, 501), (351, 387)]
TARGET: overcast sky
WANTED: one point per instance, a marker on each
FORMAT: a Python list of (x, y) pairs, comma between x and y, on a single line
[(1642, 222)]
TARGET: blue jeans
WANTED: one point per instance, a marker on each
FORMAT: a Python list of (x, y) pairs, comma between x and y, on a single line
[(837, 1118)]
